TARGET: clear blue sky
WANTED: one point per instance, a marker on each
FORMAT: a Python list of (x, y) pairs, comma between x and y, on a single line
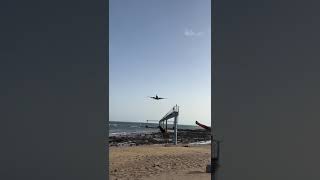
[(160, 47)]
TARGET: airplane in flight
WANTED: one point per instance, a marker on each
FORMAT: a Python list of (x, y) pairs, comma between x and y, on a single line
[(156, 97)]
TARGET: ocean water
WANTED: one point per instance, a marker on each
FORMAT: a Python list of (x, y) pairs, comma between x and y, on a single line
[(117, 128)]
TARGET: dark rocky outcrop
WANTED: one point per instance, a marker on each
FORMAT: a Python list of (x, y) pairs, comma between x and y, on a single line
[(185, 136)]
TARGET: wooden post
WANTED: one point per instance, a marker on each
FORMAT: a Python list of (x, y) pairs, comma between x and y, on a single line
[(166, 125)]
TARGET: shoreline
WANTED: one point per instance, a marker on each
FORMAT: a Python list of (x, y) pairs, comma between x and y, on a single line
[(185, 136)]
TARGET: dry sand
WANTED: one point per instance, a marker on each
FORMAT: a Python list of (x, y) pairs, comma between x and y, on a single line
[(156, 162)]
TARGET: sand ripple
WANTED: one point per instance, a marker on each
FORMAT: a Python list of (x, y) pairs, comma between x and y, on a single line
[(159, 162)]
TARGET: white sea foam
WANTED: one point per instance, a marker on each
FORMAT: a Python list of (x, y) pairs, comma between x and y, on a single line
[(130, 133), (202, 142)]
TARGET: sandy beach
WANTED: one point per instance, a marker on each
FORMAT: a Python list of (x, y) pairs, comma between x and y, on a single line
[(156, 162)]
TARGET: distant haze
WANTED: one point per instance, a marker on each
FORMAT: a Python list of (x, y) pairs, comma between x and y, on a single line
[(160, 47)]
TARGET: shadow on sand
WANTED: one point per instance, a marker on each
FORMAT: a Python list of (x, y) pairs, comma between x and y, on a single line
[(196, 172)]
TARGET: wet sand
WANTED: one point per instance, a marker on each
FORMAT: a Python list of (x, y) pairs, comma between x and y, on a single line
[(156, 162)]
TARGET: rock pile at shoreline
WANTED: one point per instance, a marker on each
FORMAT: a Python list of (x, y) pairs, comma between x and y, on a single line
[(185, 136)]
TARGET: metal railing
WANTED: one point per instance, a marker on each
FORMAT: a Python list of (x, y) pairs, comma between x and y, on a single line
[(163, 123), (175, 109)]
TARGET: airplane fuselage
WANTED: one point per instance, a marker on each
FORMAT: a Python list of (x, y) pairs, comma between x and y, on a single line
[(157, 97)]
